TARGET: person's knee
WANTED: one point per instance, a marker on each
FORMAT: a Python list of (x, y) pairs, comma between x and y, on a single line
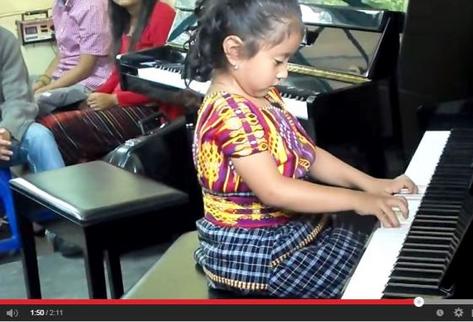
[(41, 149), (38, 135)]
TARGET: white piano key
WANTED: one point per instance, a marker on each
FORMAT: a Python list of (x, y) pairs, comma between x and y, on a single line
[(377, 264), (423, 163), (171, 79), (297, 108)]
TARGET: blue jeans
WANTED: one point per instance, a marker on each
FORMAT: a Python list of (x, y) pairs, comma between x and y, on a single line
[(37, 148)]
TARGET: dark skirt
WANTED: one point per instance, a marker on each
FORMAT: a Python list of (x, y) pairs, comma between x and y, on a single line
[(304, 258), (84, 135)]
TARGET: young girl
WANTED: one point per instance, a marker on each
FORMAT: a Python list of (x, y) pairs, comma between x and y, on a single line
[(111, 114), (266, 230)]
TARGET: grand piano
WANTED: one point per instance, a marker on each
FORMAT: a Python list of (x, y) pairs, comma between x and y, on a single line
[(341, 82)]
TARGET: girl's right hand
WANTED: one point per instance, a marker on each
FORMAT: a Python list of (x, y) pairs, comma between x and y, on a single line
[(382, 206)]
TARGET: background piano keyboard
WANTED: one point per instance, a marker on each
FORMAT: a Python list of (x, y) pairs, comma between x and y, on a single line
[(297, 105), (423, 257)]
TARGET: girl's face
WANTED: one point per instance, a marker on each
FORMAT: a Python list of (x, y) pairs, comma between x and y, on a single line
[(127, 3), (264, 70)]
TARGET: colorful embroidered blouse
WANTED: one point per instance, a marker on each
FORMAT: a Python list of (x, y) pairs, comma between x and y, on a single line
[(231, 126)]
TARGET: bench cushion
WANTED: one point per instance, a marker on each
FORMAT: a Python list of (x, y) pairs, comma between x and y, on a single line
[(96, 191)]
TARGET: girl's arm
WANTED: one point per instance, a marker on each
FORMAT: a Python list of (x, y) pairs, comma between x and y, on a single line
[(333, 171), (260, 173)]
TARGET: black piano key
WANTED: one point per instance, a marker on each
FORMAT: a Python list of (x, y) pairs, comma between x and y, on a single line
[(428, 242), (396, 291), (422, 226), (413, 285), (451, 236), (412, 264), (418, 276), (431, 233), (432, 257), (441, 208), (433, 224), (436, 217)]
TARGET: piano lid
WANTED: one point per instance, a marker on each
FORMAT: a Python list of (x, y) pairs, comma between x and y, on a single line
[(311, 85), (346, 17), (341, 42)]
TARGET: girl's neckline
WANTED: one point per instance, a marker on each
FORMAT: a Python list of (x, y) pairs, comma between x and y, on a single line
[(267, 97)]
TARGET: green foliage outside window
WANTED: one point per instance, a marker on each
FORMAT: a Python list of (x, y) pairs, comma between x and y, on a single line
[(395, 5)]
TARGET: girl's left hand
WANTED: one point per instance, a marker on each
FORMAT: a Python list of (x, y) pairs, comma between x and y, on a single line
[(100, 101), (392, 186)]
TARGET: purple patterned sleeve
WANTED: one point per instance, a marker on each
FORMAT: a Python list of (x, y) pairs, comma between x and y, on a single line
[(94, 27)]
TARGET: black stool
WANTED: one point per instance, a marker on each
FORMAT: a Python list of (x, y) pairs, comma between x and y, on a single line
[(100, 208)]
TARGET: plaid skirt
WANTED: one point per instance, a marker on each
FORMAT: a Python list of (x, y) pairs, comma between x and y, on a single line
[(305, 258), (84, 135)]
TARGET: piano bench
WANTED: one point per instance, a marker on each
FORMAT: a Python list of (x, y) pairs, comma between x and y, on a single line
[(176, 275), (97, 206)]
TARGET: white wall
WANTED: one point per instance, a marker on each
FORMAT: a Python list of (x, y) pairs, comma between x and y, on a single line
[(37, 56)]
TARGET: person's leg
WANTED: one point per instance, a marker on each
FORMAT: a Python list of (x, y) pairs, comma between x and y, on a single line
[(60, 97), (89, 134), (40, 149)]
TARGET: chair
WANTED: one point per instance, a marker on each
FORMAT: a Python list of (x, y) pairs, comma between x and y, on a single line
[(13, 242)]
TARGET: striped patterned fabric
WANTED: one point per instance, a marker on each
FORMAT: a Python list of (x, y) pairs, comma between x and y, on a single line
[(84, 135)]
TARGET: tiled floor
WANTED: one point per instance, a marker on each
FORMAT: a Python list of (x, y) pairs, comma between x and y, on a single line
[(65, 277)]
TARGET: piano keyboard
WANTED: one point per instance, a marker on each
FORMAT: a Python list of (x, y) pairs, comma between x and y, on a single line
[(171, 77), (428, 263), (421, 258), (373, 271)]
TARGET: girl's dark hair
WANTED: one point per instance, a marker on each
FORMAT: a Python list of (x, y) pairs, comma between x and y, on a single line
[(254, 21), (120, 23)]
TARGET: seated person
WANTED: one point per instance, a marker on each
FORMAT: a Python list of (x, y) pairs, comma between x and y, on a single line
[(82, 63), (266, 230), (111, 114), (22, 141)]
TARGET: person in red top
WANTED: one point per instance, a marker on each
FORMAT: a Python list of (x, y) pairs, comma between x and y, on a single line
[(110, 115), (153, 35)]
